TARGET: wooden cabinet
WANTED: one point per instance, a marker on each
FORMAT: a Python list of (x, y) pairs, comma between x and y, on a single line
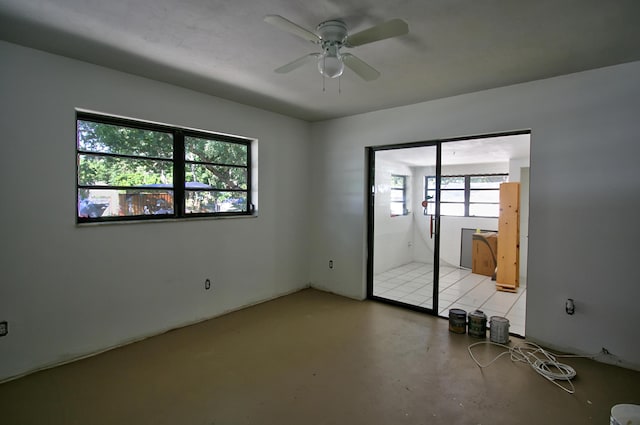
[(508, 272), (484, 251)]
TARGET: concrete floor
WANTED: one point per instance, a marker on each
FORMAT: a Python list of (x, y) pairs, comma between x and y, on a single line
[(311, 358)]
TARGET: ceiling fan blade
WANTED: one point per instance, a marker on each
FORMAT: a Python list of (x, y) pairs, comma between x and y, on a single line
[(296, 63), (363, 69), (392, 28), (295, 29)]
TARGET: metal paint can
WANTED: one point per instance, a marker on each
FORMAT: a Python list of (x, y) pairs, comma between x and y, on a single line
[(477, 324), (499, 330), (625, 414), (457, 321)]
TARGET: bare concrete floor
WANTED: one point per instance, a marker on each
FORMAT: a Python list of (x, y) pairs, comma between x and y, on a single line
[(311, 358)]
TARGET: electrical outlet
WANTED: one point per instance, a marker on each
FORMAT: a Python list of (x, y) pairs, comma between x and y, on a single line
[(207, 284), (570, 306), (4, 328), (330, 264)]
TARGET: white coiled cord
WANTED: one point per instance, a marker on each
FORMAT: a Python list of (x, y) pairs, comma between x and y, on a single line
[(541, 360)]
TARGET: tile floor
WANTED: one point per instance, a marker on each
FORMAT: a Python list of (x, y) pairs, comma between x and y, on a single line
[(459, 288)]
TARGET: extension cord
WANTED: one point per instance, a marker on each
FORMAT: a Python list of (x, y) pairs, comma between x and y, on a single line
[(546, 365)]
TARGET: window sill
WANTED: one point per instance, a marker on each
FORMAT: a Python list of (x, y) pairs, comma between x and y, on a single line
[(173, 220)]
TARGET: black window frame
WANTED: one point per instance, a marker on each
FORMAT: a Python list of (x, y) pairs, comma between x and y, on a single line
[(467, 192), (178, 161), (392, 188)]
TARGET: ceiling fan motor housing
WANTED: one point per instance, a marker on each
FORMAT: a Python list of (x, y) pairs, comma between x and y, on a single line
[(332, 32)]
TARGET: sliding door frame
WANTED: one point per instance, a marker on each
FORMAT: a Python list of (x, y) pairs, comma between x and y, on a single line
[(370, 193), (370, 190)]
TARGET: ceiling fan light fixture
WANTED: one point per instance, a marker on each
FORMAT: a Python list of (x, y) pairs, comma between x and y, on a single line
[(332, 35), (330, 63)]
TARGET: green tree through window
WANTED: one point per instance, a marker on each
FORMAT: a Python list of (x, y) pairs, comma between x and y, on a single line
[(133, 170)]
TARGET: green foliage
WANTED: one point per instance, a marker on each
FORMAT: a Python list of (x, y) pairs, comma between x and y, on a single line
[(215, 151), (107, 138), (125, 156)]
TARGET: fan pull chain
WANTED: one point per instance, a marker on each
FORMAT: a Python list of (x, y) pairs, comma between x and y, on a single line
[(323, 77)]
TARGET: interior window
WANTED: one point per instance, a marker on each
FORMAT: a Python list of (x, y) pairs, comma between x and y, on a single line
[(466, 195)]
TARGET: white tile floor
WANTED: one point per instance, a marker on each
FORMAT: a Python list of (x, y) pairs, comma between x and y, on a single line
[(459, 288)]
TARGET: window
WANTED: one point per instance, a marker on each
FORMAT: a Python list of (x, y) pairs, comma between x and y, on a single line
[(398, 195), (128, 170), (466, 195)]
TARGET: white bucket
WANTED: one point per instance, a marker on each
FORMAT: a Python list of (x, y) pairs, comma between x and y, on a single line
[(625, 414), (499, 329)]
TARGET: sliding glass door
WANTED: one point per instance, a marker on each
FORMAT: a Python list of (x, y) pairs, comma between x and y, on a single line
[(433, 217), (403, 225)]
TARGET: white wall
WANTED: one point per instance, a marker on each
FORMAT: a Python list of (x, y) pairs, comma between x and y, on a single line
[(423, 243), (67, 291), (584, 186), (393, 244)]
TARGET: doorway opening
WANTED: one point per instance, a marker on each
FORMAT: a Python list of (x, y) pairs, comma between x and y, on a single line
[(434, 216)]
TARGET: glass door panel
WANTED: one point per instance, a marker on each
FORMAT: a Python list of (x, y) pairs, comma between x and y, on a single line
[(403, 239)]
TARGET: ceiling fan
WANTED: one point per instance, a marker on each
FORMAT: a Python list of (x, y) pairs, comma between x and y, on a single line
[(332, 36)]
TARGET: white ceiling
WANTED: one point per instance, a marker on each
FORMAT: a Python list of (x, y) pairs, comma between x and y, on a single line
[(487, 150), (226, 49)]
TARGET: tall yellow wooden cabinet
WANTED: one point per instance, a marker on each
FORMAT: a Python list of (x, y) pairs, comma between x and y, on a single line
[(508, 273)]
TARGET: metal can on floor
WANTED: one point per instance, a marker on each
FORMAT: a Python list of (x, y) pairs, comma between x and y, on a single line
[(457, 321), (477, 324), (499, 330), (625, 414)]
